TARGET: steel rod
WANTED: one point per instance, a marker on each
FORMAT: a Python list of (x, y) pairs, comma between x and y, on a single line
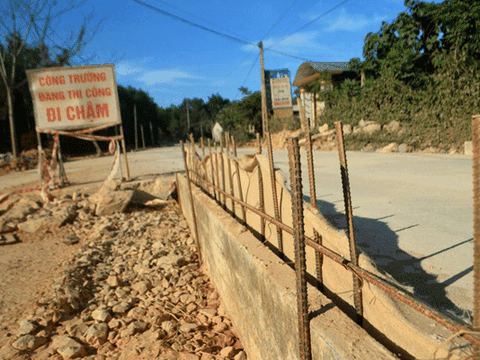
[(357, 290), (194, 217), (274, 191), (239, 181), (305, 345), (229, 169), (261, 195), (375, 280)]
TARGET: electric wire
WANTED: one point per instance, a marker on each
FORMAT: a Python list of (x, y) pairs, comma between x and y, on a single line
[(308, 24), (166, 13)]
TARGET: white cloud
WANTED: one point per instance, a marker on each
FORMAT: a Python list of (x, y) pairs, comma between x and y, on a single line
[(164, 76), (349, 22), (126, 68), (296, 44)]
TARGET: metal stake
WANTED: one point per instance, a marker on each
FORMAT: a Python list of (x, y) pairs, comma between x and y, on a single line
[(300, 258), (212, 169), (357, 291), (313, 202), (476, 230), (229, 169), (274, 192), (194, 217), (224, 199), (260, 190), (237, 169)]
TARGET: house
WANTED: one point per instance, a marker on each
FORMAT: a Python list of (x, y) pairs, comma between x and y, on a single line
[(310, 105)]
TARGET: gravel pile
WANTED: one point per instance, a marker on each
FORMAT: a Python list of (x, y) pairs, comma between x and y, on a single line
[(134, 290)]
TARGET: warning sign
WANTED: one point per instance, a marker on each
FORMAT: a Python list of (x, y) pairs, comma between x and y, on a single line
[(74, 97), (281, 92)]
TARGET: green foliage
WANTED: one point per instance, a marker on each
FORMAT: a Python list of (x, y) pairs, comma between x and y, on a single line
[(237, 117), (422, 70)]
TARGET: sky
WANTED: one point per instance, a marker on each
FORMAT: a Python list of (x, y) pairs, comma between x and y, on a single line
[(171, 59)]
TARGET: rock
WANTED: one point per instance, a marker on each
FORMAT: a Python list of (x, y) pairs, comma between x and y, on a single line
[(27, 327), (188, 327), (168, 326), (142, 286), (101, 315), (392, 126), (68, 348), (7, 226), (323, 128), (240, 356), (347, 129), (134, 328), (112, 281), (65, 215), (368, 148), (8, 239), (227, 352), (71, 239), (111, 202), (188, 356), (122, 307), (371, 128), (97, 333), (468, 148), (392, 147), (402, 148), (29, 342), (34, 225)]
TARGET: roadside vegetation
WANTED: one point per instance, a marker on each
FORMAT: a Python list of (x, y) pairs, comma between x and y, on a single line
[(422, 70)]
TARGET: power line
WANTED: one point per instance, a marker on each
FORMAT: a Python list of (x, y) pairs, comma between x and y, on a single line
[(320, 16), (234, 38), (230, 37), (280, 18), (309, 23), (196, 17)]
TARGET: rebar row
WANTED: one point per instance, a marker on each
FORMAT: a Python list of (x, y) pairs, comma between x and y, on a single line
[(358, 274)]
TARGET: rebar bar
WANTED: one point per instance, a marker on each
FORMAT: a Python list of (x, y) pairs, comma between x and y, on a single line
[(261, 195), (274, 192), (194, 217), (229, 169), (305, 346), (476, 229), (222, 166), (380, 283), (212, 169), (357, 291), (217, 174), (239, 181)]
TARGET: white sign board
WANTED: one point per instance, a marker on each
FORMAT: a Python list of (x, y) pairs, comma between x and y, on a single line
[(281, 92), (74, 97)]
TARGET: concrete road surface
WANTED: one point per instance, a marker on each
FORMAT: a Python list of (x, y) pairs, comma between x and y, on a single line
[(412, 212)]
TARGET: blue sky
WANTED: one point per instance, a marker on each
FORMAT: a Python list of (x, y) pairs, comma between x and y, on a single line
[(172, 60)]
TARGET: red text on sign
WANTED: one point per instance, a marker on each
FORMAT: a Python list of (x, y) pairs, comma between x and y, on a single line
[(52, 96)]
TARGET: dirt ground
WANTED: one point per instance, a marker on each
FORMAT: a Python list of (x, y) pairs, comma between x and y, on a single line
[(28, 269)]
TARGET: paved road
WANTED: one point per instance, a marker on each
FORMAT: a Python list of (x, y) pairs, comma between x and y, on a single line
[(412, 212)]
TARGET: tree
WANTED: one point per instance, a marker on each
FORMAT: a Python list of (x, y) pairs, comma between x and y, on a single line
[(422, 37), (26, 33)]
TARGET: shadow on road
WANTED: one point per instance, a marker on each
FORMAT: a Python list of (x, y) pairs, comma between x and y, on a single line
[(380, 243)]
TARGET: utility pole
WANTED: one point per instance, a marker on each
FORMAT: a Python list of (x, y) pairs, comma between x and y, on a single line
[(264, 94), (135, 124)]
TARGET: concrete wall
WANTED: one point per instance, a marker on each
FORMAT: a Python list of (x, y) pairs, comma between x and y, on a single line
[(258, 292)]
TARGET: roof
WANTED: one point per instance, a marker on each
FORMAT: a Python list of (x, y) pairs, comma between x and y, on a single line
[(308, 68)]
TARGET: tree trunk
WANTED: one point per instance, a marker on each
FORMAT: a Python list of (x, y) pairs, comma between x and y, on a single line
[(11, 120)]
